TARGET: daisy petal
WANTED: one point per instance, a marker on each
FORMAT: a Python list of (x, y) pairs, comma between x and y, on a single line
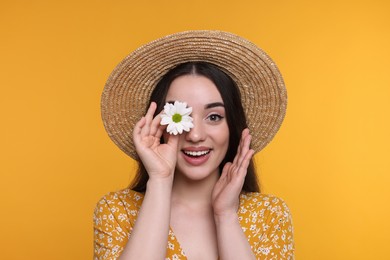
[(165, 120), (179, 127)]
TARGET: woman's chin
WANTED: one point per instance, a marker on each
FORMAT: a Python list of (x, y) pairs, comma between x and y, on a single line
[(197, 173)]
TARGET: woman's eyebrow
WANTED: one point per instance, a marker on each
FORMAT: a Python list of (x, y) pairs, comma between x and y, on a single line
[(214, 104)]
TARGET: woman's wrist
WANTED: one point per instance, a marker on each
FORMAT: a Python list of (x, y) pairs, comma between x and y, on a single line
[(160, 183), (227, 218)]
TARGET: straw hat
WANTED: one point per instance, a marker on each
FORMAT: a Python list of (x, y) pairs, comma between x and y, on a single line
[(127, 91)]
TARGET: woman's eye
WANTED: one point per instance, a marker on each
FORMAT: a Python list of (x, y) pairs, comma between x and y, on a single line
[(214, 117)]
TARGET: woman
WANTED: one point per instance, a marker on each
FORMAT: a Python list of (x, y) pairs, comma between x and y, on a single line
[(196, 194)]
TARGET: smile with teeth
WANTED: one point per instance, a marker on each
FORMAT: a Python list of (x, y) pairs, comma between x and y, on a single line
[(196, 153)]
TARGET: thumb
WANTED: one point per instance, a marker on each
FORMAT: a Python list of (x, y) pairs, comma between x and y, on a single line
[(173, 141)]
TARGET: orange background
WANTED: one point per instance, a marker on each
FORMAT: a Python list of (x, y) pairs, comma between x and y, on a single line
[(330, 160)]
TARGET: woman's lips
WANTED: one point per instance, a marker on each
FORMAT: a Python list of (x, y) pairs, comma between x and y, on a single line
[(196, 156)]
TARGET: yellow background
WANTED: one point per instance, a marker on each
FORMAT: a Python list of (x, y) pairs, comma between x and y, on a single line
[(330, 160)]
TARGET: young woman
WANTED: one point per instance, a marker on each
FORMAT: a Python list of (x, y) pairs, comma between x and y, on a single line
[(196, 194)]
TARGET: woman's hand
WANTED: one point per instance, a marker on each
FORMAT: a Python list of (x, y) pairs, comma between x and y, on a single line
[(225, 196), (159, 159)]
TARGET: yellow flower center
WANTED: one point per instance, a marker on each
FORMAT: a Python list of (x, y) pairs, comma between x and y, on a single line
[(176, 118)]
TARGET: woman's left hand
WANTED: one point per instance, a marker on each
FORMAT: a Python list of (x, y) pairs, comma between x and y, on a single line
[(226, 192)]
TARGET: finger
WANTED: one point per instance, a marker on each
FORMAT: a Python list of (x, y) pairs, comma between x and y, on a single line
[(160, 131), (225, 170), (237, 153), (244, 133), (173, 140), (244, 136), (148, 119), (245, 163), (244, 149), (137, 130), (155, 125), (223, 178), (231, 178), (230, 172)]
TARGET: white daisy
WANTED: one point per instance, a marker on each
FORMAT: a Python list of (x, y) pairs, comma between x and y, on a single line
[(177, 117)]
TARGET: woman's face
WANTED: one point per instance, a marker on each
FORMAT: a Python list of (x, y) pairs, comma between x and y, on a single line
[(202, 149)]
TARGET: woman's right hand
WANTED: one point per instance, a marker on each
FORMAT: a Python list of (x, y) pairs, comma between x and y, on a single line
[(159, 159)]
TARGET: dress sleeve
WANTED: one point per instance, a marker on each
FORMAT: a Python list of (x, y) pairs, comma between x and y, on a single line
[(111, 227), (276, 231)]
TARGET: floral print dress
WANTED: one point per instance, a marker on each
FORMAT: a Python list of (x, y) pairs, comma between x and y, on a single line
[(265, 220)]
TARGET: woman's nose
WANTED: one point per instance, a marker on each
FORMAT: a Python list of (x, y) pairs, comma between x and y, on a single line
[(196, 134)]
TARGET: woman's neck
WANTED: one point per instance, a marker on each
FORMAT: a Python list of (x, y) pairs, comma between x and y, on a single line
[(193, 193)]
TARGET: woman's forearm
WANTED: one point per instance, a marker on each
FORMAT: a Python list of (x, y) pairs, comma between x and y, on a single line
[(232, 242), (148, 239)]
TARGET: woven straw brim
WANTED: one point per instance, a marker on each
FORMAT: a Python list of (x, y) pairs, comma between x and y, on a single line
[(128, 89)]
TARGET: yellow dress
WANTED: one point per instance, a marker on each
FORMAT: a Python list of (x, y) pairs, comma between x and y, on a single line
[(265, 220)]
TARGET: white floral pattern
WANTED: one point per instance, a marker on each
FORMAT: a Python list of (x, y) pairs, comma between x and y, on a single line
[(265, 220)]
